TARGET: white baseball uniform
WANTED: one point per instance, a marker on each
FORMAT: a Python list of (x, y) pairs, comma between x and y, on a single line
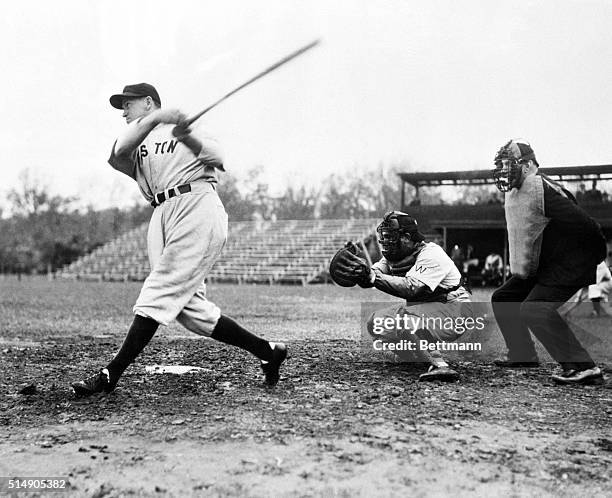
[(186, 232), (436, 270), (603, 285)]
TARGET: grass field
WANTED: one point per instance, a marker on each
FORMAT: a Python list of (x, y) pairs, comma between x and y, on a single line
[(340, 422)]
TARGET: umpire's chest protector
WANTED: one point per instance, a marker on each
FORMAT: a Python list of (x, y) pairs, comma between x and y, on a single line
[(526, 221)]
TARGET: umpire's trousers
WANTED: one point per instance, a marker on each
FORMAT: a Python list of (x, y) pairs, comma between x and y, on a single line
[(521, 305)]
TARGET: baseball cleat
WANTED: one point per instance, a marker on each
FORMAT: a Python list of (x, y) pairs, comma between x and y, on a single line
[(271, 368), (444, 374), (588, 376), (507, 363), (97, 383)]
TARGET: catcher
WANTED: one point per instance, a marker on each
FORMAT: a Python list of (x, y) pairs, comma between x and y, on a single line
[(419, 272)]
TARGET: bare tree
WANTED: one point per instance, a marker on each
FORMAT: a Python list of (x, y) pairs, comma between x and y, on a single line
[(31, 197)]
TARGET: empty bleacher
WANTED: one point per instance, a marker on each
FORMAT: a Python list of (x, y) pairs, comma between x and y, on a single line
[(270, 252)]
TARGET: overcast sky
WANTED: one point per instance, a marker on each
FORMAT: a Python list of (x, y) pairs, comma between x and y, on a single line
[(440, 85)]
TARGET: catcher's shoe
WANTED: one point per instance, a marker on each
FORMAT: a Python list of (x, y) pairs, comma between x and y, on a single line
[(444, 374), (588, 376), (100, 382), (271, 368)]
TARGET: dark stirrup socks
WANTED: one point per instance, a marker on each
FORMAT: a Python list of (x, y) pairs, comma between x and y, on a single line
[(229, 332), (139, 335)]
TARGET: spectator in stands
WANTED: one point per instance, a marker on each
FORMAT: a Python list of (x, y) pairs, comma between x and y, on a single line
[(494, 198), (580, 193), (470, 260), (458, 257), (492, 272), (594, 195)]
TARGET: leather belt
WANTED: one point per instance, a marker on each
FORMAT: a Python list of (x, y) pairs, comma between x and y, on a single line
[(170, 193)]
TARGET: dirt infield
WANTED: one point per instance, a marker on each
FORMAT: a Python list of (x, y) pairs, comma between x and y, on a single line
[(340, 423)]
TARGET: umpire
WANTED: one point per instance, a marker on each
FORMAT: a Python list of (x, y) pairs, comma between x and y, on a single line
[(554, 251)]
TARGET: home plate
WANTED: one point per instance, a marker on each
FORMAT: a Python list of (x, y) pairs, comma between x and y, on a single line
[(174, 369)]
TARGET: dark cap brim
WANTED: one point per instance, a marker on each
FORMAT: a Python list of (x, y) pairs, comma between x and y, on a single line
[(117, 100)]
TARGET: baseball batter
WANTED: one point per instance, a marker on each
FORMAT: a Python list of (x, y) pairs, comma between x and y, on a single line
[(176, 171)]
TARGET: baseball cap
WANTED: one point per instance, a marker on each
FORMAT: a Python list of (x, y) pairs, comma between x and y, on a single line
[(521, 149), (401, 220), (137, 90)]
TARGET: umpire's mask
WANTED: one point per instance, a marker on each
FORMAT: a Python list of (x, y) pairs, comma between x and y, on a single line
[(508, 162)]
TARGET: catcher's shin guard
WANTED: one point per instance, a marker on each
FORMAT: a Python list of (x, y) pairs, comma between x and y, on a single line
[(432, 357)]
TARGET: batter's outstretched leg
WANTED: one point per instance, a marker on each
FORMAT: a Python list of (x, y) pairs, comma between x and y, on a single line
[(272, 355), (139, 335)]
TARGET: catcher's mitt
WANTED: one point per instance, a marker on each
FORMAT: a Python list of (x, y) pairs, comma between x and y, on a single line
[(349, 266)]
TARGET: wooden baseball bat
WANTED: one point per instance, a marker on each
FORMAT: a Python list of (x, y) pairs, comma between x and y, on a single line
[(274, 66)]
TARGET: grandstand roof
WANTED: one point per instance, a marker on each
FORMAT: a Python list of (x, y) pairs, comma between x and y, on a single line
[(485, 176)]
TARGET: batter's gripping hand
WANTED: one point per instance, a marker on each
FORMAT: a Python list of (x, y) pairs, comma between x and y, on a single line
[(170, 116), (349, 267), (181, 131)]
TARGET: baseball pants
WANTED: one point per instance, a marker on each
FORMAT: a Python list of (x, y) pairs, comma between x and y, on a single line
[(430, 323), (186, 236), (521, 305)]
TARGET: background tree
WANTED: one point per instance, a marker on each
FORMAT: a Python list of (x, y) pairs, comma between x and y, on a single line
[(296, 204), (45, 230)]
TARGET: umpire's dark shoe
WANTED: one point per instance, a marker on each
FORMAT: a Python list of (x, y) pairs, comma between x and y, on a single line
[(97, 383), (588, 376), (444, 374), (271, 368), (508, 363)]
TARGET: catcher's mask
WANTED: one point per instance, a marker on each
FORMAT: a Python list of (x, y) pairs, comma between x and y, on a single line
[(393, 226), (508, 162)]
